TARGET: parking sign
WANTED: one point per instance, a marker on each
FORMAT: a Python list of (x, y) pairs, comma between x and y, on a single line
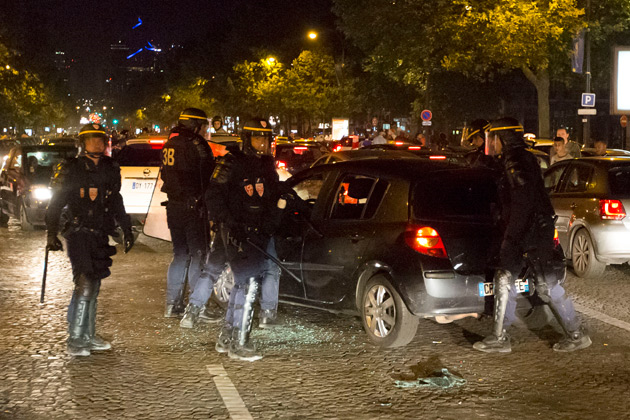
[(588, 99)]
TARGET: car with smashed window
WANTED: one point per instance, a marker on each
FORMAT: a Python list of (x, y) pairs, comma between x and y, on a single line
[(391, 240), (25, 182), (591, 196)]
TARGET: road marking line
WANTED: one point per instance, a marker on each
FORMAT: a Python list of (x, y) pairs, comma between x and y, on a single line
[(232, 400), (602, 317)]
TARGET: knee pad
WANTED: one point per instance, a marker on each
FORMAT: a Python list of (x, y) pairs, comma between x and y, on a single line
[(86, 287)]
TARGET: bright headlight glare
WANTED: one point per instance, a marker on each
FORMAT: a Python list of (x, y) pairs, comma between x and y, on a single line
[(42, 193)]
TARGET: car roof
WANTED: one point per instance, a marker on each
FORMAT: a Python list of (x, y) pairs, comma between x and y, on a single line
[(369, 153), (612, 152), (146, 140), (47, 147)]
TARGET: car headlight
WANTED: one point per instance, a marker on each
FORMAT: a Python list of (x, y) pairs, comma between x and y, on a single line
[(42, 193)]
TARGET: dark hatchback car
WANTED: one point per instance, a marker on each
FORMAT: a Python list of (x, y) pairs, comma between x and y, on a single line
[(25, 179), (296, 156), (392, 240)]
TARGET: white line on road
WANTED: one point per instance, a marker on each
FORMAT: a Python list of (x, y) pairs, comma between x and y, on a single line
[(602, 317), (232, 400)]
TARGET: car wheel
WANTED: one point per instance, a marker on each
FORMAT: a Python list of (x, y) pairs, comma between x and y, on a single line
[(25, 225), (223, 287), (585, 263), (385, 316)]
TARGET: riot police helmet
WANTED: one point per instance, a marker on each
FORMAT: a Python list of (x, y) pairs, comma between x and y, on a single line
[(508, 131), (193, 119), (474, 135), (257, 137), (90, 131)]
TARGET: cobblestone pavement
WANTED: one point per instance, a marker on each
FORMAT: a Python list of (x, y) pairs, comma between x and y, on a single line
[(318, 365)]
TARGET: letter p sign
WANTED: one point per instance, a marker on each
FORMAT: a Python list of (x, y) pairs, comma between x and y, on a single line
[(588, 99)]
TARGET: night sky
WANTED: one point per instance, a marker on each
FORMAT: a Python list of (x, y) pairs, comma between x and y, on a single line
[(87, 27)]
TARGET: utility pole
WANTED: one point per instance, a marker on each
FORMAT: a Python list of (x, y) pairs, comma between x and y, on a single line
[(586, 129)]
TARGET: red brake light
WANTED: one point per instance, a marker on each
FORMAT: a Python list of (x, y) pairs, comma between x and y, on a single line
[(425, 240), (556, 238), (398, 143), (414, 148), (157, 141), (300, 148), (611, 210), (337, 148), (281, 164), (437, 157)]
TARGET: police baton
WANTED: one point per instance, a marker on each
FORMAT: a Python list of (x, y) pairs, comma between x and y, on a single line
[(274, 259), (41, 299)]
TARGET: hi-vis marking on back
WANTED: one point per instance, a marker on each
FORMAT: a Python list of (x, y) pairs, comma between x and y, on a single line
[(168, 156), (233, 402)]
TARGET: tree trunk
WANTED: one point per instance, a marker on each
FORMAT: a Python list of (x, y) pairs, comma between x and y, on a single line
[(541, 81)]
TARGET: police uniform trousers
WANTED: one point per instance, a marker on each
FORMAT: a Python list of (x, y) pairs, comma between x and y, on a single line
[(188, 234)]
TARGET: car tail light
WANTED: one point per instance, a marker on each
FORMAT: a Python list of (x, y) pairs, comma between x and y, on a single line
[(337, 148), (281, 164), (611, 210), (556, 238), (414, 148), (437, 157), (425, 240), (398, 143), (157, 141)]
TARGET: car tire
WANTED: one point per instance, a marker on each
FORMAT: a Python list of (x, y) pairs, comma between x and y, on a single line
[(384, 315), (585, 263), (223, 287), (24, 223)]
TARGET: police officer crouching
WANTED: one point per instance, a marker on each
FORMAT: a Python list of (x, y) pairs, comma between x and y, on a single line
[(527, 223), (187, 164), (90, 188), (243, 196)]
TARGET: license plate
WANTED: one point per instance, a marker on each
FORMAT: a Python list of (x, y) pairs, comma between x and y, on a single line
[(487, 289), (142, 186)]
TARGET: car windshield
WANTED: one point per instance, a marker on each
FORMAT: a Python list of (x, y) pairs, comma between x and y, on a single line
[(448, 195), (139, 155), (40, 164), (620, 180)]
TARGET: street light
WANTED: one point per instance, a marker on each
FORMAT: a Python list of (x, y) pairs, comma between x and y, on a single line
[(270, 61), (312, 35)]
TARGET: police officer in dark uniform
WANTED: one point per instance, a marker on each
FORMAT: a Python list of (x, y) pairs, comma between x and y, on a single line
[(475, 137), (243, 196), (187, 164), (90, 188), (527, 220)]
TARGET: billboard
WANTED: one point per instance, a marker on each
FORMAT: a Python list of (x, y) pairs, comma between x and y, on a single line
[(340, 128), (620, 83)]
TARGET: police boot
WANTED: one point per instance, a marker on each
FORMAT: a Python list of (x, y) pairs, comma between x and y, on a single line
[(499, 340), (209, 316), (576, 340), (96, 342), (191, 315), (268, 318), (224, 339), (79, 338), (240, 347)]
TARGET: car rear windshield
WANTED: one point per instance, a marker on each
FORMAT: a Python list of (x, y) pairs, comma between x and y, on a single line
[(620, 180), (454, 194), (41, 164), (297, 156), (139, 155)]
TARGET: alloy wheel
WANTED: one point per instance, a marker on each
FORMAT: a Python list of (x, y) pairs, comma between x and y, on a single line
[(581, 253), (380, 310)]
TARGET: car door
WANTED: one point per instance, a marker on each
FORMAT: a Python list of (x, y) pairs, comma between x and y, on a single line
[(296, 224), (333, 252), (571, 198)]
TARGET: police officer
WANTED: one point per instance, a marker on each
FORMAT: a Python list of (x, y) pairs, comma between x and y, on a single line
[(187, 164), (527, 238), (243, 196), (90, 188), (474, 137)]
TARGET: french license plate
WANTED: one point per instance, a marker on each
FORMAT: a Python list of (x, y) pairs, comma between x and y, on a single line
[(487, 289), (142, 185)]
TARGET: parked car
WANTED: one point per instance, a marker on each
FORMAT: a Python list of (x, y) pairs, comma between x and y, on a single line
[(25, 182), (359, 154), (544, 145), (590, 197), (298, 155), (392, 240), (139, 161)]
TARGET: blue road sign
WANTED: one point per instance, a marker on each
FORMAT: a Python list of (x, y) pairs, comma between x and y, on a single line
[(588, 99), (426, 115)]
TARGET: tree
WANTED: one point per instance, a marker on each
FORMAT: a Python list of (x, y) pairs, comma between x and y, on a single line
[(478, 38)]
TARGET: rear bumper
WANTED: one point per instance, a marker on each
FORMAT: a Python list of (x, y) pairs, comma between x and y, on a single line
[(612, 241)]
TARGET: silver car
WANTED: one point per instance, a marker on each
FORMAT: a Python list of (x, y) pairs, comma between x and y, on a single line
[(590, 197)]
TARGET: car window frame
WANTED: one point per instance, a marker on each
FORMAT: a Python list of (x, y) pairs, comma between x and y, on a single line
[(560, 166), (561, 189), (333, 202)]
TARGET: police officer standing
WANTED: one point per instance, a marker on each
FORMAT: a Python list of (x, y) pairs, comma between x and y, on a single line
[(187, 164), (243, 196), (475, 137), (90, 188), (527, 230)]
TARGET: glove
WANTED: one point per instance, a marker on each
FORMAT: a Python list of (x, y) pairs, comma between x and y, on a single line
[(53, 243), (128, 240)]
